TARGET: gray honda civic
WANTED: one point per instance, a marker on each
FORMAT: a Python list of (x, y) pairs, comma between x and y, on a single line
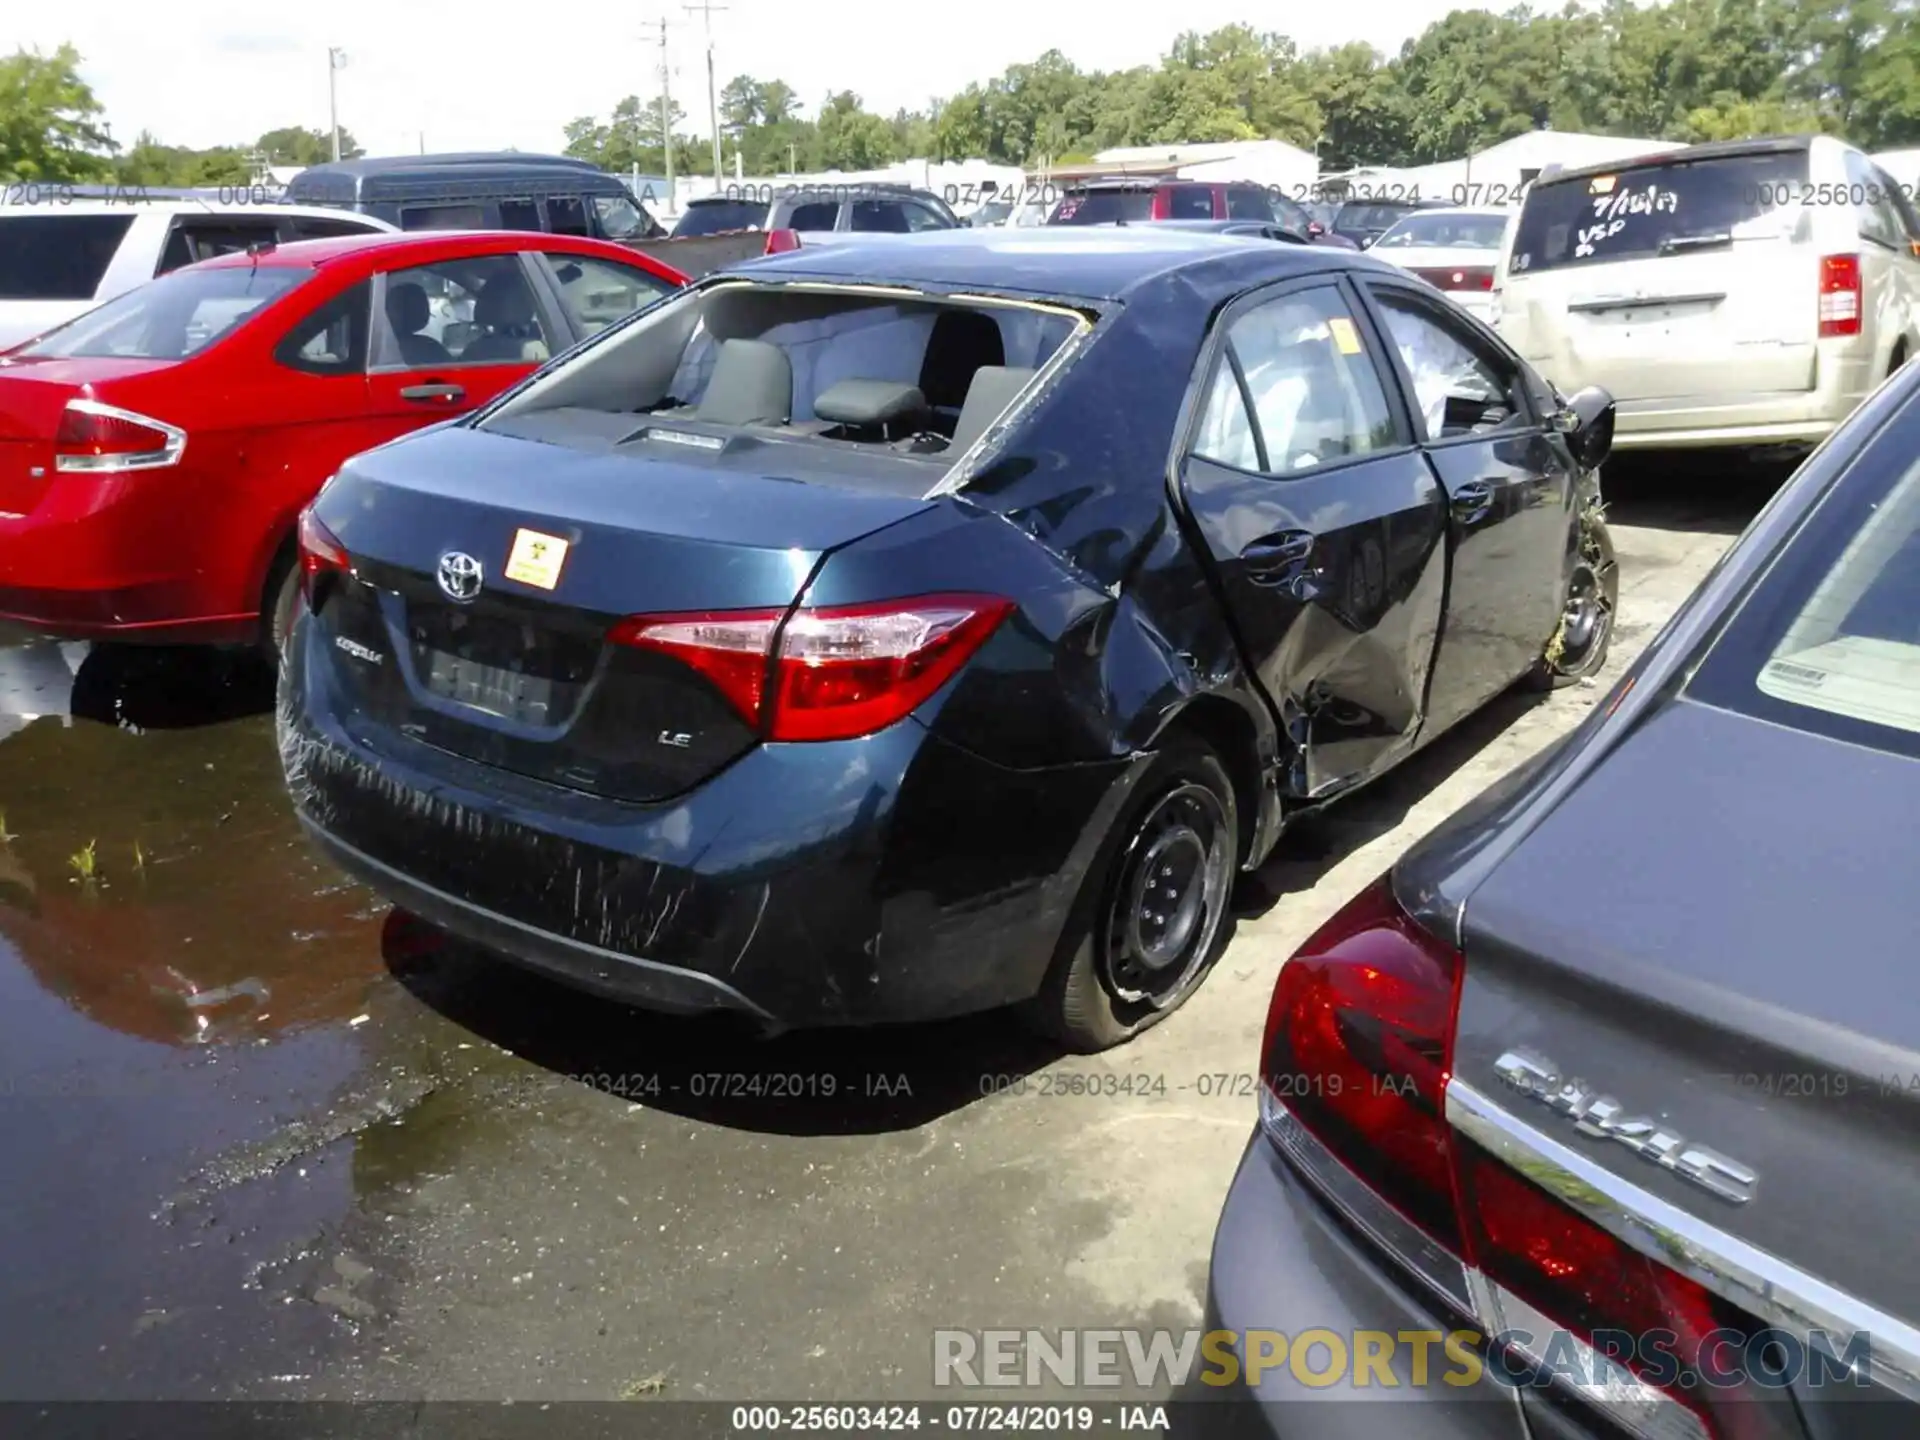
[(1614, 1080)]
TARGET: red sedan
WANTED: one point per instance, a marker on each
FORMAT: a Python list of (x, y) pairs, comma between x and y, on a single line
[(155, 453)]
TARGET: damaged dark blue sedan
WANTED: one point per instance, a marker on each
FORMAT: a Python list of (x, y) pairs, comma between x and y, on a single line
[(914, 627)]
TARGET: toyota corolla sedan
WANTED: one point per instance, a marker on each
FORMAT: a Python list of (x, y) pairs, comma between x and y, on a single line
[(156, 450), (900, 630), (1619, 1066)]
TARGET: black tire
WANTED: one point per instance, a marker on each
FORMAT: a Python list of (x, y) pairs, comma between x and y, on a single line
[(1579, 644), (282, 608), (1121, 967)]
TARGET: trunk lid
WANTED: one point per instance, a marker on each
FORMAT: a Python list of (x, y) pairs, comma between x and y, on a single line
[(522, 677), (1667, 280), (33, 396), (1762, 1006)]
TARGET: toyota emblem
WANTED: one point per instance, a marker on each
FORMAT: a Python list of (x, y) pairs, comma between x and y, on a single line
[(460, 575)]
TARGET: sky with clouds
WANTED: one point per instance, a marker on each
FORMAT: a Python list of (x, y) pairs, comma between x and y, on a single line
[(206, 72)]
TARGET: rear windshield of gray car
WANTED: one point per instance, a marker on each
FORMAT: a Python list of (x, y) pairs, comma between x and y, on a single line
[(1829, 641), (720, 216), (57, 257), (1648, 210)]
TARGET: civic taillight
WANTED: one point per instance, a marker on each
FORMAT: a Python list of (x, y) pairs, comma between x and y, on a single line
[(1356, 1063), (97, 438), (830, 673), (321, 553), (1840, 295)]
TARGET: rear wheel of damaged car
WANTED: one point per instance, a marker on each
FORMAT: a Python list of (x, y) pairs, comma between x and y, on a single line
[(1151, 916)]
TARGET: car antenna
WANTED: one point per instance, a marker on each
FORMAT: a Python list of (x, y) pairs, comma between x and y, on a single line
[(256, 250)]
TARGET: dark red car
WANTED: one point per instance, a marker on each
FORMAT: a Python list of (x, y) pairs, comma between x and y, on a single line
[(1139, 199), (156, 452)]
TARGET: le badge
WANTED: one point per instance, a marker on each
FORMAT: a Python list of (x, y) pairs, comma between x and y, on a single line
[(536, 559)]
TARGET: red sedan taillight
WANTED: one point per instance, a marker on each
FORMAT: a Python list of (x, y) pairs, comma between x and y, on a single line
[(826, 674), (1467, 278), (94, 438), (781, 241), (1357, 1059)]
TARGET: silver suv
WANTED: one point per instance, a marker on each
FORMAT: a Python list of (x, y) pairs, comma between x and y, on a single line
[(818, 210)]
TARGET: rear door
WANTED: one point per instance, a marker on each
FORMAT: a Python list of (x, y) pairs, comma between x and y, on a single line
[(450, 335), (1325, 525), (1679, 278), (1510, 497)]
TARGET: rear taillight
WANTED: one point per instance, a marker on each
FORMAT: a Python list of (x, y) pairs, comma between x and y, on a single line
[(781, 241), (825, 674), (1467, 278), (1356, 1063), (1358, 1036), (1840, 295), (321, 553), (95, 438)]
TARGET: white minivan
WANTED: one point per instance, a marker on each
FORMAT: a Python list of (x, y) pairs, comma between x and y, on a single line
[(1745, 293)]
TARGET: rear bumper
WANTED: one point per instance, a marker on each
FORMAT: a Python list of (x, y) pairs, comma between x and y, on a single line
[(887, 879), (1735, 418), (149, 613), (1281, 1264)]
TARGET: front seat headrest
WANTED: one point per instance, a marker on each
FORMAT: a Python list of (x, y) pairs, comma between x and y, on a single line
[(407, 307)]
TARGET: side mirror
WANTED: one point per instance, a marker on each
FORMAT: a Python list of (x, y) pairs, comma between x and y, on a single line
[(1366, 241), (1587, 422), (1315, 229)]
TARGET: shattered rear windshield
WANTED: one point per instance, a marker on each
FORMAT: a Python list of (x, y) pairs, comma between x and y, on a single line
[(1650, 210)]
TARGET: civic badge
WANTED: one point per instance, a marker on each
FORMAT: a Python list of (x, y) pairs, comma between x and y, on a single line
[(460, 576)]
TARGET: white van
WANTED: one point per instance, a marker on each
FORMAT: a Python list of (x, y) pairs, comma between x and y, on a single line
[(1742, 293)]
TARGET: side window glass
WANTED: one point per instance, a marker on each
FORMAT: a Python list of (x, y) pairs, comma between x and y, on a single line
[(519, 215), (1226, 431), (1248, 202), (1190, 202), (567, 215), (920, 217), (1457, 390), (1316, 397), (1869, 201), (817, 215), (599, 292), (885, 217), (332, 340), (314, 227), (474, 311), (443, 217)]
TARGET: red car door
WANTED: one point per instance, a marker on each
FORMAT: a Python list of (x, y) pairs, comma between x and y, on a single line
[(451, 334)]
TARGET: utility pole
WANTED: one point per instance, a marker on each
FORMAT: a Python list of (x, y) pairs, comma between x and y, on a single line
[(336, 62), (706, 9), (666, 113)]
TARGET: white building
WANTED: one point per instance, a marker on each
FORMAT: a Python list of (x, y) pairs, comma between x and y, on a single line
[(1287, 168), (1495, 175)]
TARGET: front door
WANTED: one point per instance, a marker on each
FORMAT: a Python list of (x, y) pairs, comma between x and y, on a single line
[(1510, 497), (1325, 526), (452, 334)]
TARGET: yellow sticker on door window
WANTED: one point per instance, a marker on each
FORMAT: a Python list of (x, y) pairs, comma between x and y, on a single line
[(536, 559), (1345, 338)]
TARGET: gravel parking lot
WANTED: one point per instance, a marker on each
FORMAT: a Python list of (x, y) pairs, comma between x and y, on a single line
[(264, 1141)]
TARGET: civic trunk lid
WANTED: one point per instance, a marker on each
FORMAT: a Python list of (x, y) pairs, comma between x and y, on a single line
[(33, 396), (1669, 280), (558, 545), (1738, 973)]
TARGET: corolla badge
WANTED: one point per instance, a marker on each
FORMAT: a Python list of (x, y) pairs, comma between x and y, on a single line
[(460, 575), (1606, 1118)]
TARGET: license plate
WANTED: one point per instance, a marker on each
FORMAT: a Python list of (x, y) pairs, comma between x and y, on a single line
[(524, 699)]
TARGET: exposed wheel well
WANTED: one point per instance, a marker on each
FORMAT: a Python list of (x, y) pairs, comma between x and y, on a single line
[(284, 554), (1229, 730)]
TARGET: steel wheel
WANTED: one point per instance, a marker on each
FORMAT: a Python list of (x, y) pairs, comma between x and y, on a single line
[(1168, 899)]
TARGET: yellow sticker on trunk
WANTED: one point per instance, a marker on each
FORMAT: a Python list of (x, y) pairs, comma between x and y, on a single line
[(1345, 338), (536, 559)]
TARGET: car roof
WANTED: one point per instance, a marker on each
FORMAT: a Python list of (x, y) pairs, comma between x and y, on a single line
[(1088, 263), (174, 205), (504, 159), (309, 253), (1491, 211), (1712, 150)]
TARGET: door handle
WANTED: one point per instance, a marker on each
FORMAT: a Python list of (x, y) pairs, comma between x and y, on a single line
[(1472, 500), (1276, 559), (427, 394)]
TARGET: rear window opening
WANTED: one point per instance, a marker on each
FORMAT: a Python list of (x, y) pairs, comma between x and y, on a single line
[(1663, 208), (170, 318), (836, 369), (1441, 231), (57, 257), (716, 217)]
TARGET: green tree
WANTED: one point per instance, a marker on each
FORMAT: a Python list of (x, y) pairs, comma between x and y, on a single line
[(50, 126), (292, 145), (850, 137)]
